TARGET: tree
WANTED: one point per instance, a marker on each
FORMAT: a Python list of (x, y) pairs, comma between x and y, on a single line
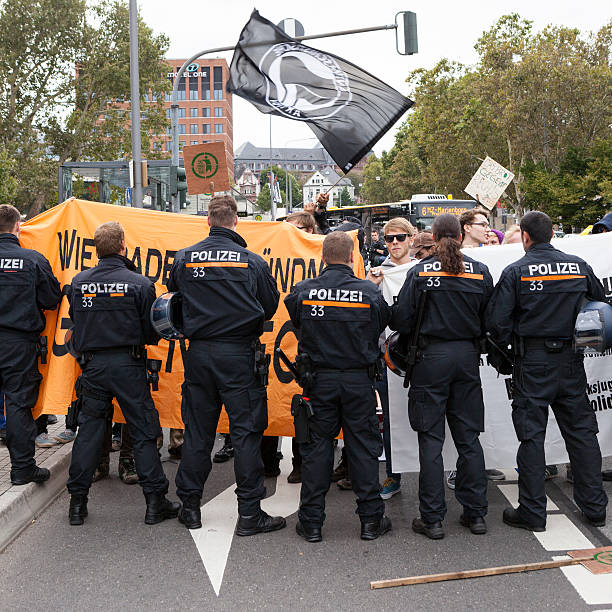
[(63, 73), (8, 183), (281, 176), (345, 198), (263, 199), (532, 97)]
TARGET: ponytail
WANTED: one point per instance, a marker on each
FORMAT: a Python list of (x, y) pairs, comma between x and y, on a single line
[(447, 234), (449, 253)]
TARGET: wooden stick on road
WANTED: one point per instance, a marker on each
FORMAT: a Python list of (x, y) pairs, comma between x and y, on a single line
[(488, 571)]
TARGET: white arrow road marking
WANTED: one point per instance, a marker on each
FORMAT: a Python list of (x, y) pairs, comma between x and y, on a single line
[(219, 516), (562, 534)]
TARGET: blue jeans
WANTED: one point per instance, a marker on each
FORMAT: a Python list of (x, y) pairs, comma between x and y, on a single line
[(383, 393)]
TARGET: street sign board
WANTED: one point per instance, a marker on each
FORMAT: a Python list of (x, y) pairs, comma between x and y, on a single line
[(206, 168), (489, 182)]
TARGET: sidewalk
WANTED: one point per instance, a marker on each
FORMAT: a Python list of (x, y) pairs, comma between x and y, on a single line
[(20, 505)]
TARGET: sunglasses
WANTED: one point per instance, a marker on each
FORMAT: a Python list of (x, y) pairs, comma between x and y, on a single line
[(389, 238)]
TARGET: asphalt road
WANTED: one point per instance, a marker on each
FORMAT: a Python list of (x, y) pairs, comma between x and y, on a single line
[(115, 561)]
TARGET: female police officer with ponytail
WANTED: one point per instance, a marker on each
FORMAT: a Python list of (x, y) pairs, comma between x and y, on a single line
[(445, 380)]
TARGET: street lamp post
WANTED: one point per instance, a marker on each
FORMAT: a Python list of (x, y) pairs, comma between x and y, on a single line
[(135, 106)]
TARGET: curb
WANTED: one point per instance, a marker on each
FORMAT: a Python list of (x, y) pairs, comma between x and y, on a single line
[(21, 505)]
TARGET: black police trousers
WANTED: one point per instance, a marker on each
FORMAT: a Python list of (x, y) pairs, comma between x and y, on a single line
[(223, 373), (445, 382), (558, 380), (19, 381), (108, 374), (341, 400)]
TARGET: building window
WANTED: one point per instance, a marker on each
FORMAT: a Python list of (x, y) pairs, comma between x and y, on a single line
[(182, 128), (194, 142), (218, 82), (157, 146), (206, 112), (218, 111), (193, 88), (193, 112), (218, 128), (206, 83), (193, 128), (206, 128), (181, 113)]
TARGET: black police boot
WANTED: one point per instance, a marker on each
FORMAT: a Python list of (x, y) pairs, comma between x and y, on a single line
[(310, 534), (78, 509), (259, 523), (514, 519), (476, 524), (38, 474), (159, 508), (595, 521), (374, 529), (225, 453), (190, 514), (433, 531)]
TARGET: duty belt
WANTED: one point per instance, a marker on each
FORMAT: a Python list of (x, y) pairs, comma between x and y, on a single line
[(550, 344), (425, 341), (372, 371)]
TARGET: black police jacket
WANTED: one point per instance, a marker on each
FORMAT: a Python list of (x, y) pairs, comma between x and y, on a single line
[(454, 306), (27, 287), (228, 292), (540, 295), (110, 306), (340, 318)]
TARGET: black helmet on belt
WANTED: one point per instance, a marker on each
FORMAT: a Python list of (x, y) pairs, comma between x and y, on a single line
[(593, 328), (167, 316), (395, 354)]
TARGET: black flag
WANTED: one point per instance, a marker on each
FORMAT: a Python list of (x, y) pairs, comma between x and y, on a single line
[(348, 109)]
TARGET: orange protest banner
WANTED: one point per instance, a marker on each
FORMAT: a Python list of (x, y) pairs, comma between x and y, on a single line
[(206, 168), (64, 235)]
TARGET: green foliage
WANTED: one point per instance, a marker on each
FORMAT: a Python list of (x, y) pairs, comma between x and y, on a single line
[(263, 199), (281, 175), (345, 198), (536, 102), (63, 74), (8, 182)]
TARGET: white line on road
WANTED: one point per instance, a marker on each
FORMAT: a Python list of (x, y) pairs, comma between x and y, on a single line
[(595, 589), (511, 493), (219, 516)]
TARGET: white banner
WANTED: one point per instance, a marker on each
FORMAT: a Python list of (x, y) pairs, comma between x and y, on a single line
[(499, 441)]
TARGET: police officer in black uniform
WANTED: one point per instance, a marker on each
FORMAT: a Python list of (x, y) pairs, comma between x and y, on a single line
[(227, 294), (445, 381), (110, 305), (534, 308), (27, 287), (339, 318)]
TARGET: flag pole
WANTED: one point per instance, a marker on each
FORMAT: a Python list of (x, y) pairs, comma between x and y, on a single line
[(339, 179)]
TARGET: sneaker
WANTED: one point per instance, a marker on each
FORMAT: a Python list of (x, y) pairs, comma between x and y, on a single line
[(345, 484), (390, 487), (65, 436), (340, 472), (127, 471), (495, 475), (450, 479), (116, 443), (550, 472), (44, 441), (102, 471)]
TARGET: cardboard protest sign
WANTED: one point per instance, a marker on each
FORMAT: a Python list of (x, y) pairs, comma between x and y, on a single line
[(206, 168), (489, 182)]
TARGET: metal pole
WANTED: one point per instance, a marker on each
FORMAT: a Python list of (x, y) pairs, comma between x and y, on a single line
[(135, 106), (272, 202), (174, 96)]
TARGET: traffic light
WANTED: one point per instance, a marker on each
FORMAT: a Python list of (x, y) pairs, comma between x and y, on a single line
[(178, 184), (181, 185), (406, 39)]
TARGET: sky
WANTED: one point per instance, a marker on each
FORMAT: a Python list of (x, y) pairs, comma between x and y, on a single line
[(445, 29)]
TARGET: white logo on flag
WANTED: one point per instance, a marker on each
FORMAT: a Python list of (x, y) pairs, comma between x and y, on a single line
[(304, 83)]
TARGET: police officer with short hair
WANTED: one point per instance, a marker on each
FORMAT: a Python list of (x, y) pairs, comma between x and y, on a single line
[(534, 308), (27, 287), (445, 380), (339, 318), (227, 294), (110, 306)]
